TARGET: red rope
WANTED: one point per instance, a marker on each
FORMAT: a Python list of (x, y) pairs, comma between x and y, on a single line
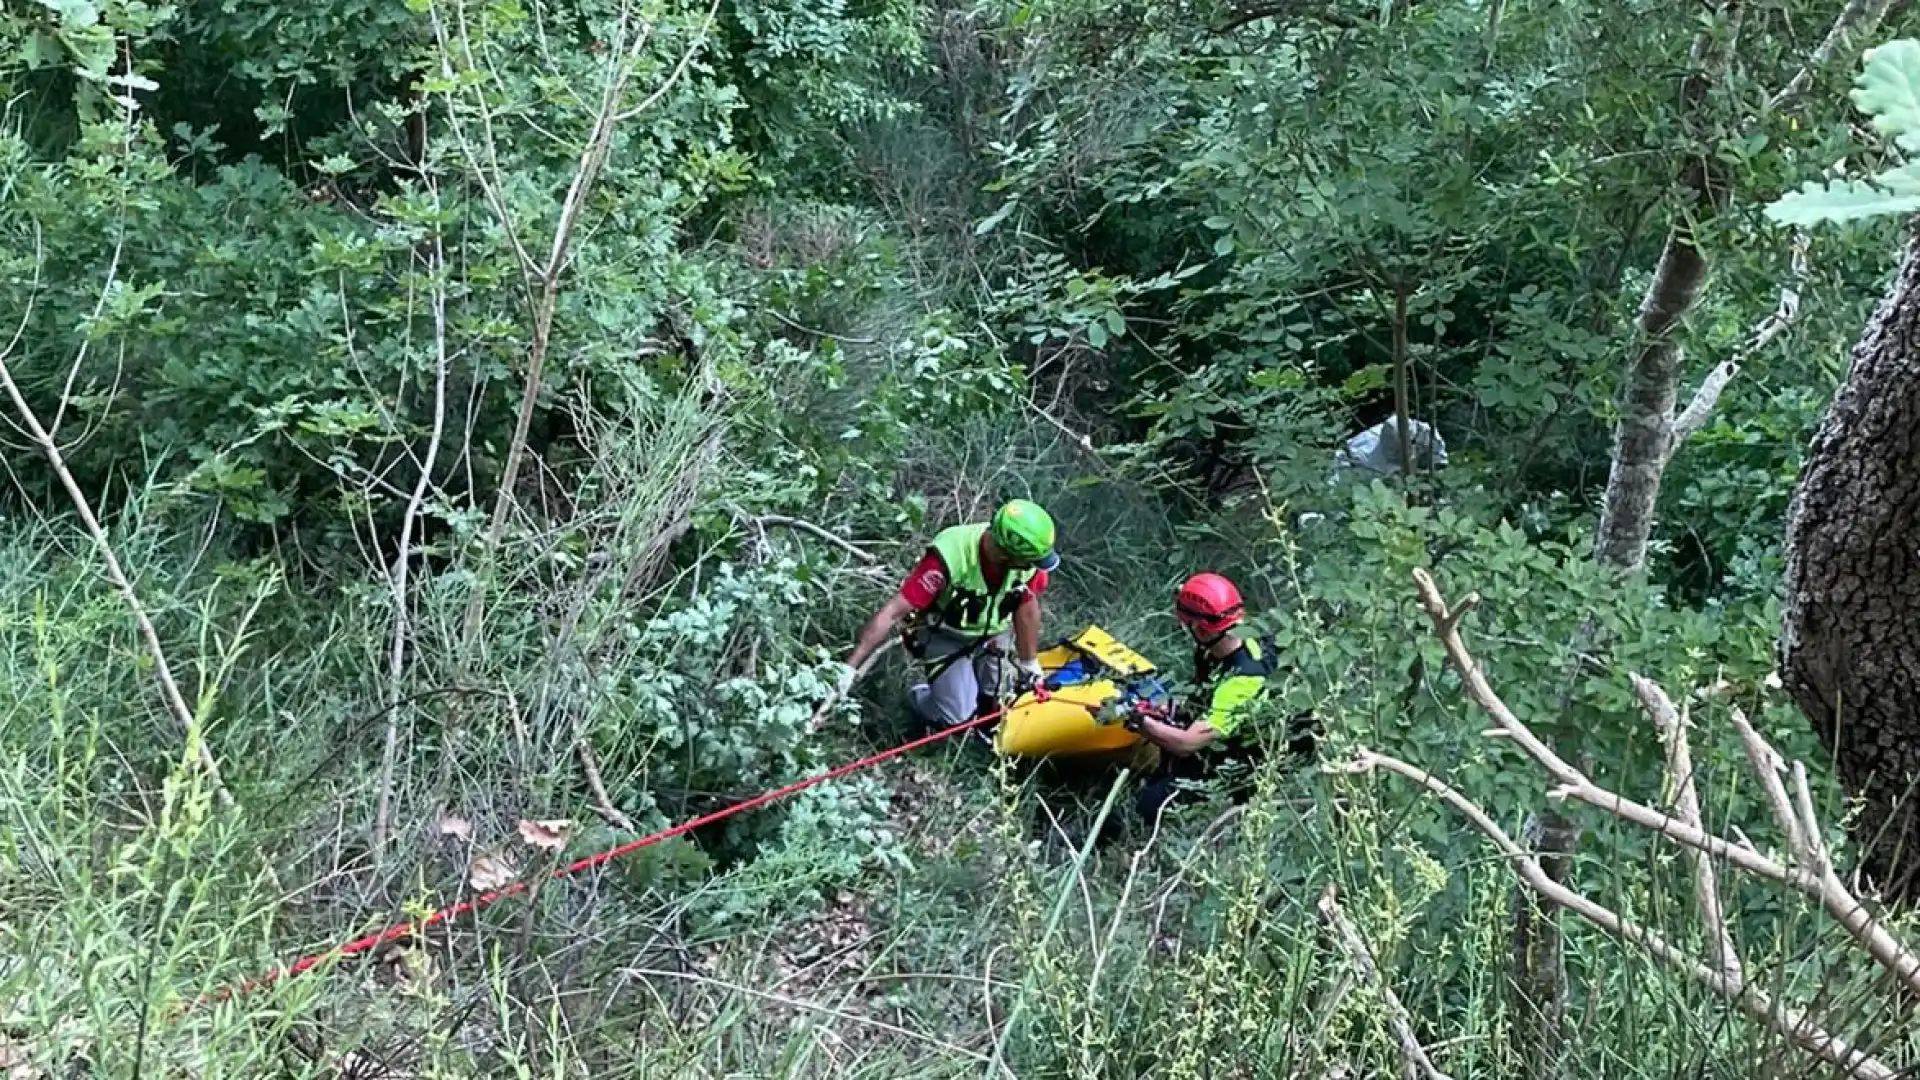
[(454, 911)]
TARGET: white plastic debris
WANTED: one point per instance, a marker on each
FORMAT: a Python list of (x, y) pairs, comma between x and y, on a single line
[(1377, 449)]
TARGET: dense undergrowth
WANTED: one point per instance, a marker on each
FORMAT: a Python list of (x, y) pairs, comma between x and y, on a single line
[(841, 275), (903, 923)]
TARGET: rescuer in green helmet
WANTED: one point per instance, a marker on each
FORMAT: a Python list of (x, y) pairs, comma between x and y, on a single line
[(975, 586)]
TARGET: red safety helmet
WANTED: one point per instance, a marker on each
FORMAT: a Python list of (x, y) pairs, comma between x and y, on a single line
[(1209, 603)]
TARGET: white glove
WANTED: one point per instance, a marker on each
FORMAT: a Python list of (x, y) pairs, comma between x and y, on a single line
[(844, 681), (1030, 672)]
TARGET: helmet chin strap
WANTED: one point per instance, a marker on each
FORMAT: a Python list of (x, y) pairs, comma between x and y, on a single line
[(1210, 642)]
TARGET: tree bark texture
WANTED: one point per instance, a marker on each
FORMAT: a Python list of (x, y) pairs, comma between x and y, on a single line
[(1643, 436), (1537, 984), (1850, 644)]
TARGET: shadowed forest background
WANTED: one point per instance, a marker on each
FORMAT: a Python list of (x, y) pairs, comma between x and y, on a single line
[(448, 438)]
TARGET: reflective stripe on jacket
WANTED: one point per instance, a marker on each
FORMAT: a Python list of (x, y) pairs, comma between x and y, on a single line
[(1233, 686), (968, 606)]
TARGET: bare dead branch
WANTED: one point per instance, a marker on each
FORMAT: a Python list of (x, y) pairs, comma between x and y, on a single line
[(1083, 441), (548, 275), (33, 295), (1855, 20), (1645, 435), (1414, 1062), (1571, 782), (1686, 803), (486, 177), (1809, 824), (1822, 884), (1700, 409), (1768, 767), (1705, 399), (782, 522), (602, 803), (544, 278), (679, 69), (80, 354), (1464, 609), (398, 576), (43, 440), (1787, 1022)]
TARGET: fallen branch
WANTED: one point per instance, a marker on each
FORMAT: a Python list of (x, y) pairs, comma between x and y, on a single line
[(1768, 765), (602, 803), (1789, 1023), (1414, 1062), (808, 527), (1820, 883), (1686, 803)]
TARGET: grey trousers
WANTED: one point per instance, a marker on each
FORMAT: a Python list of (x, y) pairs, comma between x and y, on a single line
[(951, 696)]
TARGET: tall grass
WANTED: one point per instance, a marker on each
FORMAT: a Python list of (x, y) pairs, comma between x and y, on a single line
[(949, 918)]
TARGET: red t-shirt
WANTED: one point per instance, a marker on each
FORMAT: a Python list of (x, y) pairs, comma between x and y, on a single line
[(929, 579)]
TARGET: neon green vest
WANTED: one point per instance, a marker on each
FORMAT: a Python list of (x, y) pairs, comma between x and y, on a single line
[(1235, 685), (967, 605)]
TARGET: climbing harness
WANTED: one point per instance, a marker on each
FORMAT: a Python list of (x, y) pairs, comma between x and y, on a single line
[(913, 637)]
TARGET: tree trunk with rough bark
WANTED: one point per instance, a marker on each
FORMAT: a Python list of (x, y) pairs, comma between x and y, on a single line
[(1643, 436), (1537, 983), (1850, 644)]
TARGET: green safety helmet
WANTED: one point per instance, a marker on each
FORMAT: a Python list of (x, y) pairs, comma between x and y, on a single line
[(1025, 533)]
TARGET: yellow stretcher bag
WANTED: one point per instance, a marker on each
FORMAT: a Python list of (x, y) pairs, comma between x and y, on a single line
[(1085, 674)]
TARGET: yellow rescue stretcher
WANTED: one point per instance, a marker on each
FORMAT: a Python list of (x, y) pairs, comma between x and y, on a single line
[(1090, 679)]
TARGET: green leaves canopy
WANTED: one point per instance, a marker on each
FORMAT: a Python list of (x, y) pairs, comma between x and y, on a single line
[(1888, 91)]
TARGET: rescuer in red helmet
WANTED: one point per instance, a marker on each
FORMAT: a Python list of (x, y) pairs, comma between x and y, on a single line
[(1230, 672)]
